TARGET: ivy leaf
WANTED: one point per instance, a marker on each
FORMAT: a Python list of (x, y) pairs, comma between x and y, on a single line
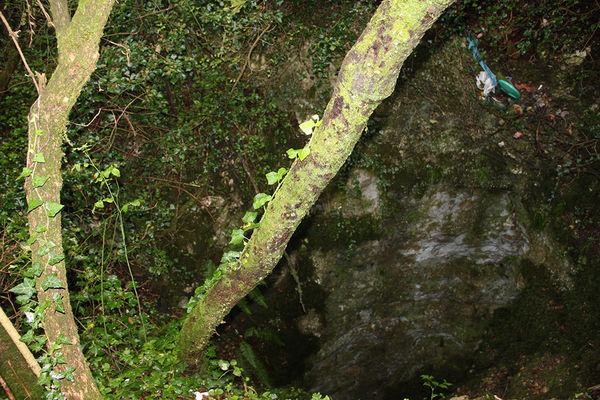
[(32, 239), (44, 380), (304, 153), (260, 200), (34, 270), (52, 282), (59, 358), (224, 365), (60, 307), (33, 204), (41, 228), (43, 250), (272, 178), (98, 204), (116, 172), (38, 132), (38, 181), (27, 337), (237, 236), (249, 217), (27, 288), (292, 153), (25, 173), (229, 256), (307, 127), (53, 208), (55, 258), (69, 373), (134, 203), (281, 172), (39, 157)]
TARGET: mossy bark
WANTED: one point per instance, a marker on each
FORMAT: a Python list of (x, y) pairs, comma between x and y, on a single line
[(368, 75), (78, 47), (18, 367)]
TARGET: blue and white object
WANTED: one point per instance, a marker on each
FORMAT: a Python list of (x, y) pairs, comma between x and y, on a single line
[(485, 83), (486, 80), (477, 56)]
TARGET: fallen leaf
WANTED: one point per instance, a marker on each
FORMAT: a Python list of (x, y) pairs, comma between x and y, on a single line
[(523, 86)]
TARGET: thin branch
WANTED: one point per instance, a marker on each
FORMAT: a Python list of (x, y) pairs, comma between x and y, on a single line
[(248, 58), (45, 13), (173, 181), (6, 389), (31, 24), (14, 36), (89, 123), (16, 338)]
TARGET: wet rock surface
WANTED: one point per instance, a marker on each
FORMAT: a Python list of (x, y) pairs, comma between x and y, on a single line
[(445, 192), (417, 298)]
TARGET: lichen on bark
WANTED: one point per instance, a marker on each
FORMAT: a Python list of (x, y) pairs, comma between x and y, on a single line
[(77, 41), (367, 76)]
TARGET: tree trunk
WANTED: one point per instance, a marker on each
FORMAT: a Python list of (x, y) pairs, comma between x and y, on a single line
[(77, 41), (368, 75)]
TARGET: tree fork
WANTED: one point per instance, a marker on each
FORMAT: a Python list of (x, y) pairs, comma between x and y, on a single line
[(368, 75)]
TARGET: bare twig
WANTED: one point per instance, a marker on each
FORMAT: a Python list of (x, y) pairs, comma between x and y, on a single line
[(125, 48), (89, 123), (45, 13), (21, 347), (31, 24), (6, 389), (247, 170), (172, 181), (248, 58), (18, 379), (294, 273), (14, 36)]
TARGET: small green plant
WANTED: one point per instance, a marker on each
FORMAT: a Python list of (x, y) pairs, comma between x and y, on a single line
[(431, 382), (238, 240)]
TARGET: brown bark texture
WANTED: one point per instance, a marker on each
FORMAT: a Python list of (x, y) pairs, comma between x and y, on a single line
[(367, 76), (78, 48)]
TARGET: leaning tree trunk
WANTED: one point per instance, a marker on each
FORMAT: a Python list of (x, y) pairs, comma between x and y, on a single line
[(368, 75), (77, 41)]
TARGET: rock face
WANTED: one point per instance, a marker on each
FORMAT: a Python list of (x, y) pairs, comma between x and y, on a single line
[(438, 176), (417, 298)]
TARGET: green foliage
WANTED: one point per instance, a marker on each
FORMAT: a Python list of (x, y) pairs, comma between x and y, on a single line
[(260, 200), (583, 157), (513, 28), (276, 177), (301, 154), (264, 335), (258, 367), (335, 38), (434, 385)]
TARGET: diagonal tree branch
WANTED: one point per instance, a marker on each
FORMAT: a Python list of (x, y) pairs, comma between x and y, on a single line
[(367, 76)]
